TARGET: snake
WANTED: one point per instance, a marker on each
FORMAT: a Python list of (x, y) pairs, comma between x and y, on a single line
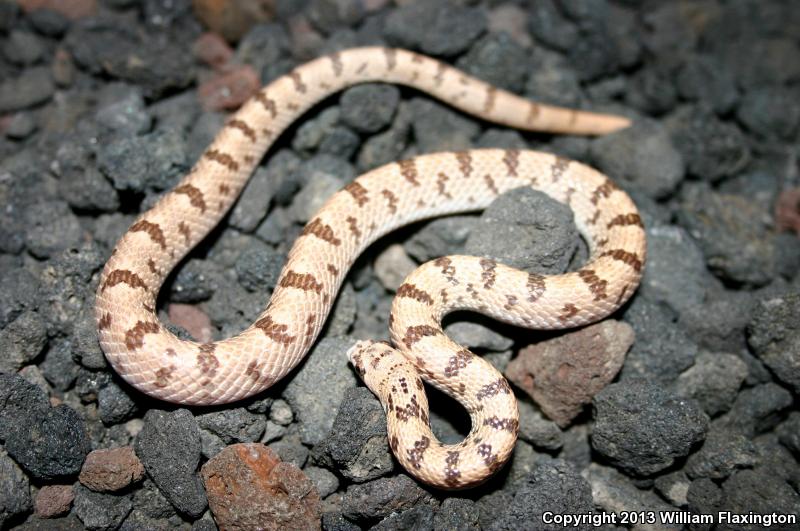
[(156, 362)]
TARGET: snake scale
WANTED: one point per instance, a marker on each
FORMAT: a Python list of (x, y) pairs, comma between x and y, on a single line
[(159, 364)]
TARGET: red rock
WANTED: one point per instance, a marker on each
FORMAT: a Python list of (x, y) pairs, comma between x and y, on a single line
[(63, 68), (212, 50), (249, 487), (230, 89), (563, 374), (72, 9), (111, 469), (233, 18), (787, 210), (53, 500), (192, 319)]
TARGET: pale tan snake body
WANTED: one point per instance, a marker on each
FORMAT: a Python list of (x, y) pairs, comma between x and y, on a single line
[(157, 363)]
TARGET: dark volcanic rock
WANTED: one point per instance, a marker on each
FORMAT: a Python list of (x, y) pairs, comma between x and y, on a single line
[(436, 28), (554, 486), (99, 511), (721, 454), (358, 450), (757, 409), (369, 108), (642, 428), (15, 496), (774, 335), (169, 447), (713, 381), (379, 498), (498, 60)]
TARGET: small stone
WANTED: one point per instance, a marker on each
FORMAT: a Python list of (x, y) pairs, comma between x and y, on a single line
[(477, 336), (265, 48), (435, 28), (193, 320), (675, 272), (212, 50), (760, 491), (377, 499), (233, 425), (457, 513), (195, 282), (615, 493), (23, 48), (21, 126), (549, 26), (712, 149), (49, 22), (789, 432), (63, 68), (50, 443), (737, 244), (281, 413), (757, 409), (21, 341), (313, 131), (326, 482), (704, 78), (392, 266), (44, 237), (322, 176), (328, 15), (357, 450), (713, 381), (651, 90), (554, 486), (525, 215), (721, 454), (53, 501), (290, 450), (673, 487), (112, 469), (643, 429), (169, 448), (513, 20), (438, 128), (99, 511), (229, 90), (553, 80), (498, 60), (139, 163), (537, 430), (769, 112), (15, 496), (33, 86), (774, 336), (663, 350), (58, 367), (249, 487), (420, 517), (642, 157), (232, 20), (787, 213), (258, 268), (369, 108), (326, 367), (441, 237), (115, 404), (563, 374)]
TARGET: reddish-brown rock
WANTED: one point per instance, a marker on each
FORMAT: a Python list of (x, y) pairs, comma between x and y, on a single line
[(72, 9), (192, 319), (53, 500), (563, 374), (249, 487), (787, 210), (212, 50), (229, 89), (111, 469), (233, 18)]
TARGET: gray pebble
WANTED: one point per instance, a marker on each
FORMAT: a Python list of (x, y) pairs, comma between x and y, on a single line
[(524, 215), (99, 511), (169, 448), (770, 112), (377, 499), (369, 108), (498, 60), (140, 163), (115, 404), (757, 409), (774, 336), (23, 48), (281, 413), (258, 267), (326, 482), (457, 514), (441, 237), (58, 367), (477, 336), (554, 486), (125, 115), (713, 381), (420, 518), (662, 350), (51, 228), (537, 430), (549, 26), (291, 450), (33, 86), (704, 78), (789, 432), (15, 496), (196, 281), (722, 453), (22, 125), (313, 131), (642, 428), (325, 367), (358, 450), (652, 90), (439, 128), (642, 157), (435, 28), (21, 341), (553, 80), (234, 425)]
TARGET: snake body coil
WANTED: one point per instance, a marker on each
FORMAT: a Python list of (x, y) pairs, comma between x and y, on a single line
[(159, 364)]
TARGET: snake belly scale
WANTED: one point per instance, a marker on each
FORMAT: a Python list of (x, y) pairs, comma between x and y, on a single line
[(157, 363)]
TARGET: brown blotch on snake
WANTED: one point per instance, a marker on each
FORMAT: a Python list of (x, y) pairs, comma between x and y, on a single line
[(152, 229)]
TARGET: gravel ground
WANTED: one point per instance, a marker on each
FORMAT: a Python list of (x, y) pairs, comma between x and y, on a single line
[(686, 399)]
